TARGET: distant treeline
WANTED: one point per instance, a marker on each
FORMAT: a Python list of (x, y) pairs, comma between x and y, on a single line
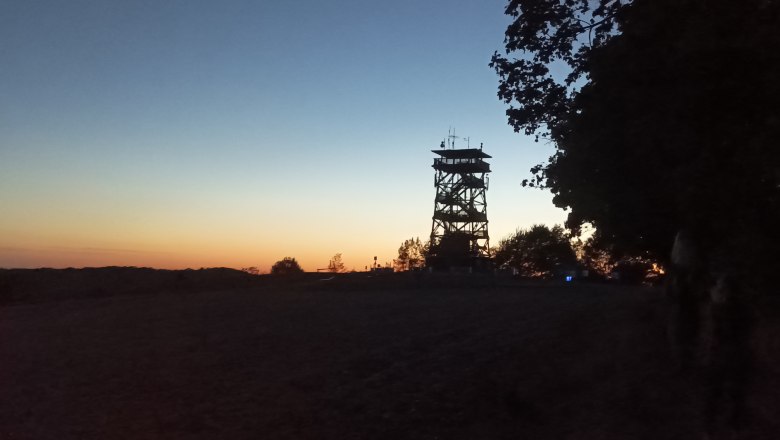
[(37, 285)]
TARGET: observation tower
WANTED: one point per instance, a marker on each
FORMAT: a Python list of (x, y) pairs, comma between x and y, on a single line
[(459, 235)]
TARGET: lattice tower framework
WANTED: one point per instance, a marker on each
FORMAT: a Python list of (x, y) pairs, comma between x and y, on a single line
[(460, 221)]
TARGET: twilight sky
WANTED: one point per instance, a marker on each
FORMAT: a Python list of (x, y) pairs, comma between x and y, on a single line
[(197, 133)]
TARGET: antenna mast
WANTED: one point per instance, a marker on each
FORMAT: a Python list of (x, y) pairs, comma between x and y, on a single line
[(452, 137)]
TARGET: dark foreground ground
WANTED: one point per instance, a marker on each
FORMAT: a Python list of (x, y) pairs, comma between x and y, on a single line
[(372, 360)]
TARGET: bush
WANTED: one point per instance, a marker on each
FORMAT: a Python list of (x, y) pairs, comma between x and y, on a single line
[(286, 266)]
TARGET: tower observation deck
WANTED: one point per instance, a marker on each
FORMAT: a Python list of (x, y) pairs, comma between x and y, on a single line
[(459, 235)]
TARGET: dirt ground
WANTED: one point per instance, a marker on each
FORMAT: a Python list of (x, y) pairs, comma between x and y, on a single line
[(287, 362)]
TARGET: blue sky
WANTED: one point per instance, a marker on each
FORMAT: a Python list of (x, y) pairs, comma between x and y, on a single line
[(194, 133)]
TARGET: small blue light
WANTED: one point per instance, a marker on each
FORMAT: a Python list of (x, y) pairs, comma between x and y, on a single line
[(569, 278)]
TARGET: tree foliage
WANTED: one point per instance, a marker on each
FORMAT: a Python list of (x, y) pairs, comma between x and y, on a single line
[(594, 257), (665, 119), (335, 264), (602, 263), (536, 252), (286, 266), (411, 255)]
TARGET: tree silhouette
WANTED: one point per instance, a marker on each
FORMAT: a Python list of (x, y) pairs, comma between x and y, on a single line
[(594, 257), (536, 252), (411, 255), (666, 124), (286, 266), (335, 264), (666, 120)]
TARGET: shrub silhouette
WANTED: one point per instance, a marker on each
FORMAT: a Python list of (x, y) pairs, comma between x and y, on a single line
[(335, 264), (286, 266)]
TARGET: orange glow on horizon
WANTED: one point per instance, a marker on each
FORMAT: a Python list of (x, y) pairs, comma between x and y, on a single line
[(179, 257)]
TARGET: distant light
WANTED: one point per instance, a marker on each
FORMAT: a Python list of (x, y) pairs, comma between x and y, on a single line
[(569, 278)]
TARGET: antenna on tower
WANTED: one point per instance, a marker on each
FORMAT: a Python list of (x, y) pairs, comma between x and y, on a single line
[(452, 137)]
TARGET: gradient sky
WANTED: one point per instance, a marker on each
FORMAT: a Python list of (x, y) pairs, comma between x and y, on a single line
[(195, 133)]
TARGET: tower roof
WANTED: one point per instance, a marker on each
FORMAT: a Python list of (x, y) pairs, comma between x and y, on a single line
[(462, 153)]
